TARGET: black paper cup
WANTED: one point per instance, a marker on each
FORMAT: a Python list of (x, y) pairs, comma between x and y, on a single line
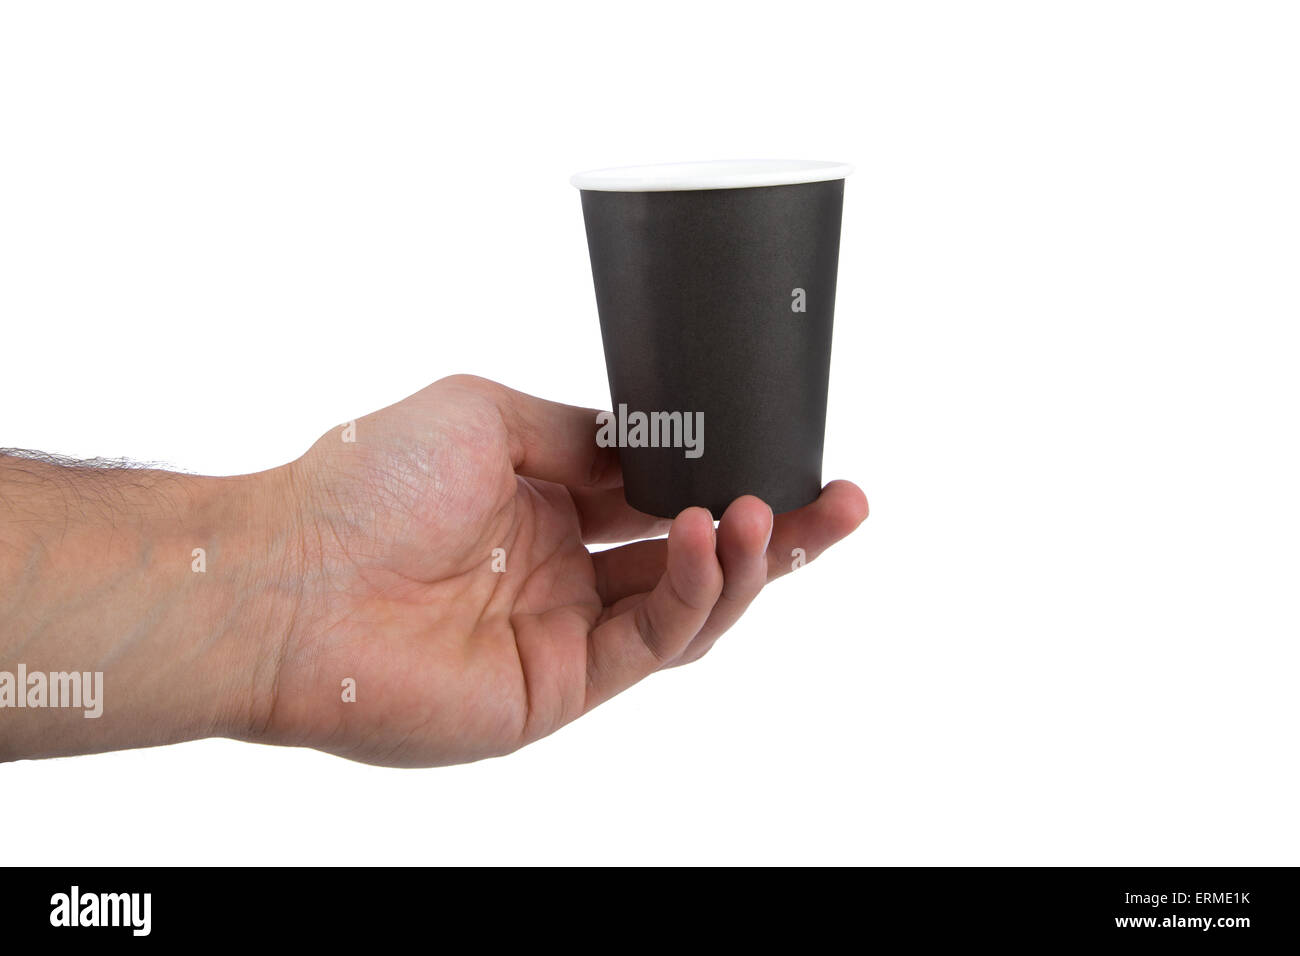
[(715, 284)]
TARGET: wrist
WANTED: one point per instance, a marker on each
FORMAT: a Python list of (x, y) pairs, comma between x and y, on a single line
[(243, 545)]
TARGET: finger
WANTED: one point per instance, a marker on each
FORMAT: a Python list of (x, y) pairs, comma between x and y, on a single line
[(801, 535), (547, 440), (605, 515), (743, 536), (841, 507), (638, 641)]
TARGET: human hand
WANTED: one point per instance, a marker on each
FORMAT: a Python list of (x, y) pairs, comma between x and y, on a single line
[(438, 563), (453, 660)]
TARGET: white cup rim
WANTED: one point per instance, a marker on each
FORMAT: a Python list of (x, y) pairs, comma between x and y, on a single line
[(711, 174)]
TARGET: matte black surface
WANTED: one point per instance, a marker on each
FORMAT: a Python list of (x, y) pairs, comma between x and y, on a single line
[(694, 290)]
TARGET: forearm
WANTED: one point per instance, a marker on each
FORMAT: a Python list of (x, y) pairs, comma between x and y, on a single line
[(99, 575)]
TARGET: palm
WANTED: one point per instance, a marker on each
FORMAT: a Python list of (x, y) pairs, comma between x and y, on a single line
[(460, 597)]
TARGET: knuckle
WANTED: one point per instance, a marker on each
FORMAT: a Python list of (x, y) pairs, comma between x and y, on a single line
[(650, 633)]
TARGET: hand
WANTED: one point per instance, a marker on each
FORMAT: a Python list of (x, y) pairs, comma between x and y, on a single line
[(437, 563), (453, 660)]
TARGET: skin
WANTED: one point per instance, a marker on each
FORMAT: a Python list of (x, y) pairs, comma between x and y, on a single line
[(372, 560)]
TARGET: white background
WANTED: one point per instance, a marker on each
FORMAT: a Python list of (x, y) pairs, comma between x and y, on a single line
[(1065, 374)]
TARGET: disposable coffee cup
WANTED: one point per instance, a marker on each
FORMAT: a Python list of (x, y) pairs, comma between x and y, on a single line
[(715, 285)]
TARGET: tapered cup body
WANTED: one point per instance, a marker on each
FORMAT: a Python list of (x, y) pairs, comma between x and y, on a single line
[(716, 310)]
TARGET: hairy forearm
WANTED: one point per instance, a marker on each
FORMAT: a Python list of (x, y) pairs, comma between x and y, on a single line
[(175, 588)]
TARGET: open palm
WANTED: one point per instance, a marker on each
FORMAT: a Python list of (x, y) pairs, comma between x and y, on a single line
[(444, 568)]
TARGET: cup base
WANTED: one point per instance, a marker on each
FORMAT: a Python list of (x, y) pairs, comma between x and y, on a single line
[(664, 500)]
